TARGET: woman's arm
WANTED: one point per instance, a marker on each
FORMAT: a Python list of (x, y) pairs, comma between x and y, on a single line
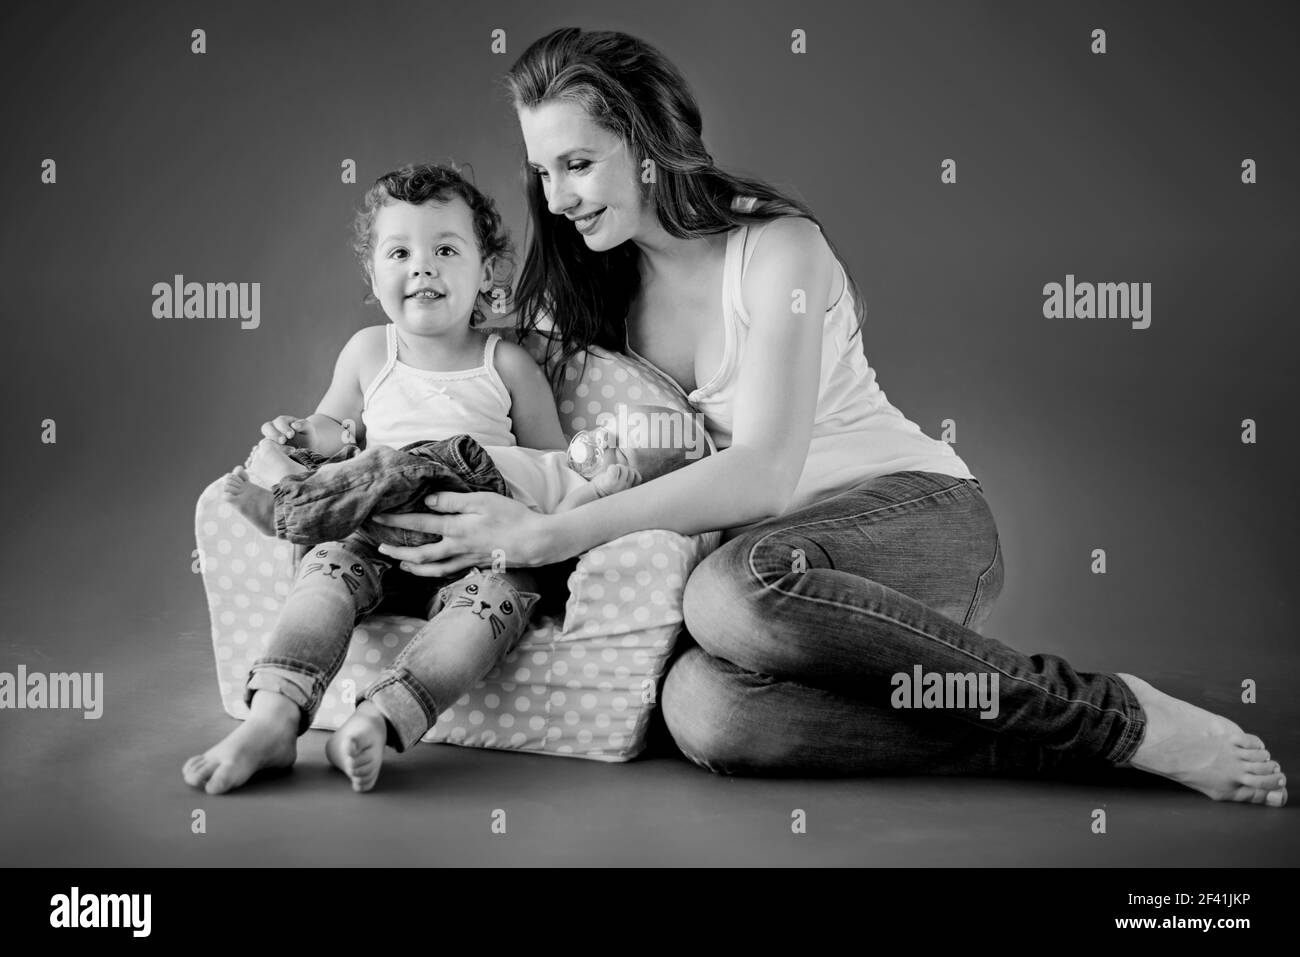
[(533, 416), (776, 397), (786, 290)]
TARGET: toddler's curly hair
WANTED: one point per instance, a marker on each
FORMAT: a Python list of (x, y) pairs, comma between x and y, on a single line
[(425, 182)]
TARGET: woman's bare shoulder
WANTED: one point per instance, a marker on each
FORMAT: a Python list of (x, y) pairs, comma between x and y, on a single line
[(788, 247), (787, 234)]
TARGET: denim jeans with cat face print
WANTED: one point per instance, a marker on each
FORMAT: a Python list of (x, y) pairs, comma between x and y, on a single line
[(474, 619), (843, 638), (473, 622)]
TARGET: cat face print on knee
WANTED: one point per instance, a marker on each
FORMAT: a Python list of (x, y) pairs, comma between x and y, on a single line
[(335, 564), (488, 598)]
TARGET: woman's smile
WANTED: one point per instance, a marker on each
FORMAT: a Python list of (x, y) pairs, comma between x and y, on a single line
[(588, 224)]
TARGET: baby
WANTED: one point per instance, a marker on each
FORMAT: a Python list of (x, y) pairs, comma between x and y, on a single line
[(440, 406)]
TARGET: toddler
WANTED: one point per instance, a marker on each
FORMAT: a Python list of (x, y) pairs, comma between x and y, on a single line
[(440, 406)]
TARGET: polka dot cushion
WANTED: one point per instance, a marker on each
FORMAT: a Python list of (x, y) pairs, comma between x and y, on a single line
[(606, 382), (584, 686)]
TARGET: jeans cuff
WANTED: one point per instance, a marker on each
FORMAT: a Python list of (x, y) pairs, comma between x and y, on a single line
[(1135, 725), (405, 705), (301, 688)]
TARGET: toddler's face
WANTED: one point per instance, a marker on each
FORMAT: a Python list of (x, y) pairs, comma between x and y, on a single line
[(585, 169), (428, 247)]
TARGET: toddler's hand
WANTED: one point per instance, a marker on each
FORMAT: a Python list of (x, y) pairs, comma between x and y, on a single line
[(288, 430)]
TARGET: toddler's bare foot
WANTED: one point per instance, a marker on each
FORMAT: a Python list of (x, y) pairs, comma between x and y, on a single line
[(254, 502), (269, 463), (267, 739), (357, 748), (1204, 751), (615, 478)]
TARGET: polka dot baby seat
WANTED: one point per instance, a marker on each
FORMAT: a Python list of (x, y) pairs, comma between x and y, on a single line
[(582, 685)]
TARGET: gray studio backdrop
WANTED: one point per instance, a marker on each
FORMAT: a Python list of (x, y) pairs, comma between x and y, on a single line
[(1087, 433)]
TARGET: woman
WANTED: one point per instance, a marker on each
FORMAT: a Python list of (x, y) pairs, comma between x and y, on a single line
[(859, 554)]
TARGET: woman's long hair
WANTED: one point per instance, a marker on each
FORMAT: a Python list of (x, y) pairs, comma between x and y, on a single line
[(633, 91)]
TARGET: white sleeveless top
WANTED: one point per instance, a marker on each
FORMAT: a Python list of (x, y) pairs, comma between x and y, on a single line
[(405, 404), (857, 433)]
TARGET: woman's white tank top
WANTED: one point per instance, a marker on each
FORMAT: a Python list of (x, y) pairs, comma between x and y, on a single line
[(405, 404), (857, 433)]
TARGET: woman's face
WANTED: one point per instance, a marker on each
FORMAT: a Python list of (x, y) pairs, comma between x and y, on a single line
[(584, 170)]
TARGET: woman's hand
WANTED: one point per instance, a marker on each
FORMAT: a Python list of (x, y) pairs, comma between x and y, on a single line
[(476, 528)]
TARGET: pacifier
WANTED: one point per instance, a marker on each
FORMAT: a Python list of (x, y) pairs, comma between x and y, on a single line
[(591, 451)]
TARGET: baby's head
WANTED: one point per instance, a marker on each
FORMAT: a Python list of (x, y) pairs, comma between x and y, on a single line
[(426, 227)]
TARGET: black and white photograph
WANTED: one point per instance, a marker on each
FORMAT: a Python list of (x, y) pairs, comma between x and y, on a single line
[(641, 435)]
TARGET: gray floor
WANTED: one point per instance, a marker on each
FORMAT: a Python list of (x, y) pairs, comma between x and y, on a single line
[(109, 792)]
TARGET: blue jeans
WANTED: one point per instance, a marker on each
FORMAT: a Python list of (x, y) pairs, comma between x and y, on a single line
[(811, 629), (473, 619)]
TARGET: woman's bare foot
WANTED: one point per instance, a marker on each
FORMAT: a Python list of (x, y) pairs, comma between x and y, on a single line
[(268, 463), (268, 738), (254, 502), (1204, 751), (357, 748)]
